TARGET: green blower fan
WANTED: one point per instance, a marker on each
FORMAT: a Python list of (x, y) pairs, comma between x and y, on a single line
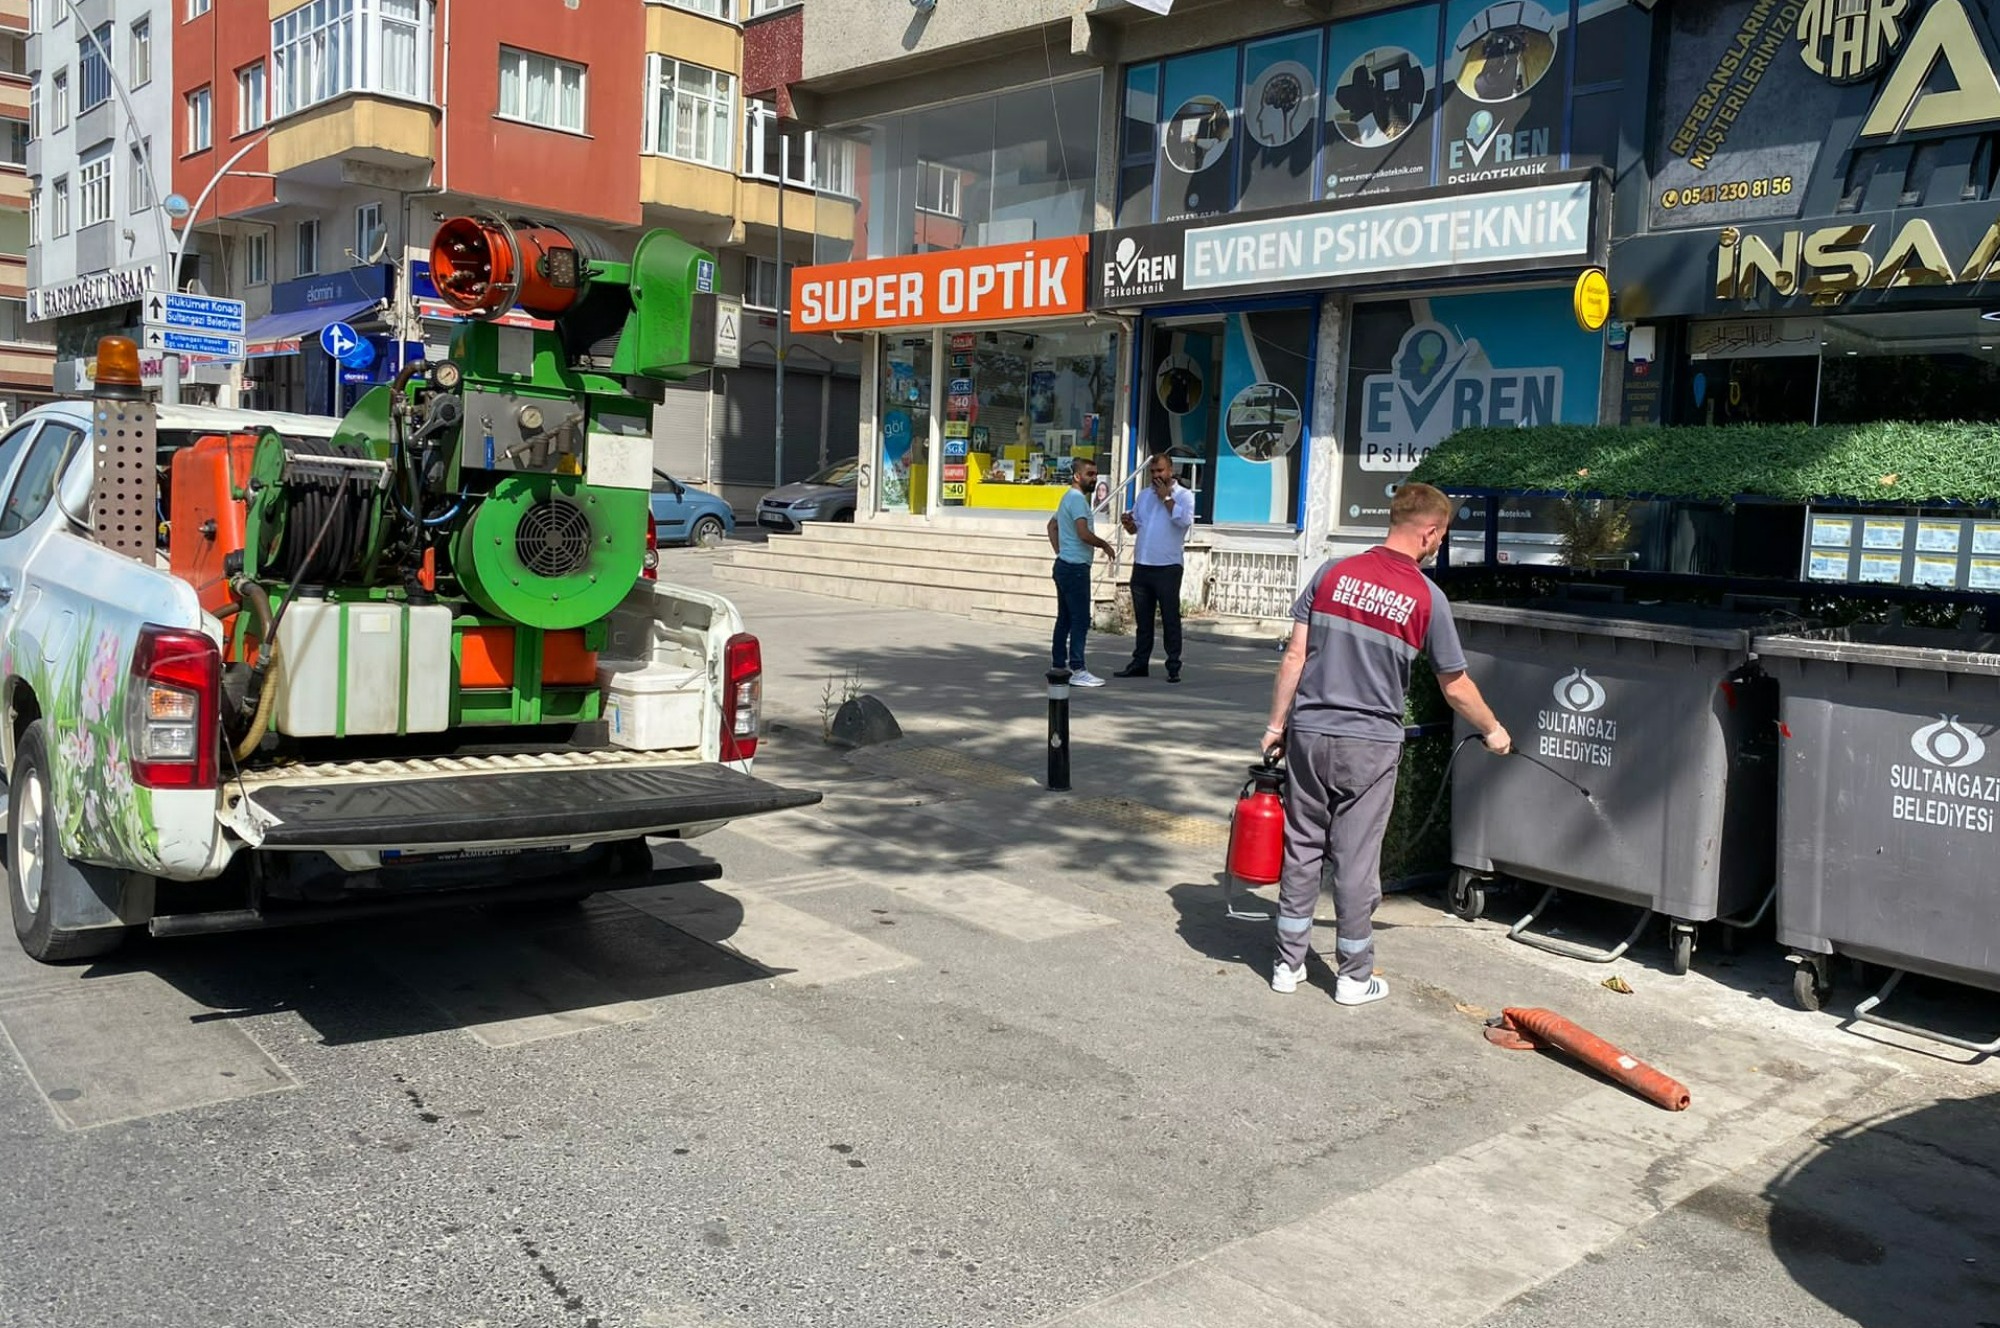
[(550, 551)]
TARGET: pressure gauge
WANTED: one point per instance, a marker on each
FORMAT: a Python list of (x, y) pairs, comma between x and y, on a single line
[(445, 376), (530, 419)]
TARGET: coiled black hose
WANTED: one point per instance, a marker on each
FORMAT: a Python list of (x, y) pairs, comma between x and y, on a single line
[(326, 530)]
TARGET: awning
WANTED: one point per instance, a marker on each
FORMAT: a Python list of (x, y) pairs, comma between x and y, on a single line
[(298, 324)]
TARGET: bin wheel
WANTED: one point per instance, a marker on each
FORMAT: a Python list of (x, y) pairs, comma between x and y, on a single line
[(1808, 991), (1681, 941), (1467, 896)]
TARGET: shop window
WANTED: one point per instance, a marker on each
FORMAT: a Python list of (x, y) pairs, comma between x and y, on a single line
[(1229, 398), (1138, 145), (1017, 409), (1018, 166)]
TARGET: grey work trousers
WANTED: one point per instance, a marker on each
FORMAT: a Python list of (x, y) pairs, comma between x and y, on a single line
[(1337, 803)]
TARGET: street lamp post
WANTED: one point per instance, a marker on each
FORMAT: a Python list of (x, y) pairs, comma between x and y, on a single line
[(177, 207)]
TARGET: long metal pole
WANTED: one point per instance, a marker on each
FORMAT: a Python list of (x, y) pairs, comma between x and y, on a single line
[(784, 296), (170, 364)]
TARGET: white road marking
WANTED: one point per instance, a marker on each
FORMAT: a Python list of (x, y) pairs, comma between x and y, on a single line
[(795, 946), (1469, 1232), (990, 904), (505, 993)]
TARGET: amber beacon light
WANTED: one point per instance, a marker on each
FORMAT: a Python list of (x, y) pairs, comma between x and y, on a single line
[(484, 267), (117, 373)]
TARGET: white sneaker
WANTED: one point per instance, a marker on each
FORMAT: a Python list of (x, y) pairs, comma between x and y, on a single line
[(1085, 678), (1285, 980), (1354, 991)]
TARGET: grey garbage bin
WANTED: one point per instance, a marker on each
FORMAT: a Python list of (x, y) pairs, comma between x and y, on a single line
[(1659, 712), (1889, 820)]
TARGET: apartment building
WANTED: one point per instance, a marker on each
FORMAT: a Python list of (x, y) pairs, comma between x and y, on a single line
[(324, 141), (71, 262)]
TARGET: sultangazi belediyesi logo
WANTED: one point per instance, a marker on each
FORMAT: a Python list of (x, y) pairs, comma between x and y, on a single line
[(1948, 743), (1579, 693)]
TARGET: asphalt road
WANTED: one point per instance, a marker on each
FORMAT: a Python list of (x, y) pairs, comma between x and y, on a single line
[(948, 1050)]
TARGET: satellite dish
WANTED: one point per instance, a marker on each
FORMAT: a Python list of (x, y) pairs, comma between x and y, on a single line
[(380, 251)]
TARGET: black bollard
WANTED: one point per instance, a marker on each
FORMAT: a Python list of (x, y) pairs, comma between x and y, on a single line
[(1058, 730)]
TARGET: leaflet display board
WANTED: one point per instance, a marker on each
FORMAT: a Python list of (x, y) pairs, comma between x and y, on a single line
[(1926, 551)]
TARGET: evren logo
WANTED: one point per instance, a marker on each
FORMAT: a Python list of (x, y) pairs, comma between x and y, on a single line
[(1948, 743)]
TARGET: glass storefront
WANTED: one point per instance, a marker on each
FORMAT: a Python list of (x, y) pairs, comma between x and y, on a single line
[(1016, 408), (1011, 168)]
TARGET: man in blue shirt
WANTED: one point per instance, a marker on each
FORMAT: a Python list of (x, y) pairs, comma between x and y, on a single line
[(1161, 516), (1072, 539)]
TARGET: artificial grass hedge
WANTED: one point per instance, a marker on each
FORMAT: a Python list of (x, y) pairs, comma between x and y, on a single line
[(1883, 462)]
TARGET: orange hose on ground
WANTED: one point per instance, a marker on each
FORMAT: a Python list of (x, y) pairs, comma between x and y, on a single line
[(1543, 1028)]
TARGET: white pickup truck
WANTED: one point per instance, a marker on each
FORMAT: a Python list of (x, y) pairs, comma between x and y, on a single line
[(128, 805)]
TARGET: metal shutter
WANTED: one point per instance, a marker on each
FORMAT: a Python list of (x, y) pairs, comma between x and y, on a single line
[(681, 431)]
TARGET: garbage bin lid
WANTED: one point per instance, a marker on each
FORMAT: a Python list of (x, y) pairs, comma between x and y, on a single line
[(1937, 649), (1672, 624)]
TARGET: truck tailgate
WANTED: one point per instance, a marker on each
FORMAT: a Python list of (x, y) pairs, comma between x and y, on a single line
[(503, 801)]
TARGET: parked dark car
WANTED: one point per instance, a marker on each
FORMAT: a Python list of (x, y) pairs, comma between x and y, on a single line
[(827, 495), (682, 515)]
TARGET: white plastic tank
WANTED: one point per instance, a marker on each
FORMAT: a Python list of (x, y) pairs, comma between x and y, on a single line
[(362, 669)]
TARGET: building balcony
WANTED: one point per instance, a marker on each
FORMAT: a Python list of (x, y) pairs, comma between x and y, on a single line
[(356, 138), (14, 15), (697, 201), (26, 367), (13, 277), (14, 96), (693, 37), (14, 188), (828, 216)]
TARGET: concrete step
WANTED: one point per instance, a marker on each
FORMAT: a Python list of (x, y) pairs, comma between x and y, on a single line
[(881, 534), (991, 605), (1023, 559), (947, 574)]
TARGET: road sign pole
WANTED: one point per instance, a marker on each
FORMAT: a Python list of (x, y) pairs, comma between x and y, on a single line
[(170, 379)]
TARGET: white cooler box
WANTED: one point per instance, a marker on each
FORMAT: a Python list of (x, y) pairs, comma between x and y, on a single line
[(652, 707)]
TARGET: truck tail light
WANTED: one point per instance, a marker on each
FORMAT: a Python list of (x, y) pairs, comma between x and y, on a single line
[(742, 696), (173, 710), (650, 569)]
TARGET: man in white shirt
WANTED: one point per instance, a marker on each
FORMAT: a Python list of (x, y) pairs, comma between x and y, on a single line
[(1160, 518)]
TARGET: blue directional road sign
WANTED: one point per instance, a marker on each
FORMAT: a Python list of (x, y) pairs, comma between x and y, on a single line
[(193, 343), (174, 312), (338, 340)]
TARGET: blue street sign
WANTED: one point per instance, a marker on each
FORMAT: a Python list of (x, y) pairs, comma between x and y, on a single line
[(359, 356), (175, 312), (338, 340), (704, 276), (194, 343)]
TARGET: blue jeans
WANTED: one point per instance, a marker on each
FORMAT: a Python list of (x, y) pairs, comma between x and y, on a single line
[(1072, 614)]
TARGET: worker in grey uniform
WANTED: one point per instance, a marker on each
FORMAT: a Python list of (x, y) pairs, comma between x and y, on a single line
[(1337, 711)]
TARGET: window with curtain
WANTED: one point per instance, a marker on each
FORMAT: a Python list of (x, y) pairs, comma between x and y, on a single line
[(93, 75), (690, 111), (256, 258), (541, 90), (329, 47), (201, 120), (721, 9), (252, 102)]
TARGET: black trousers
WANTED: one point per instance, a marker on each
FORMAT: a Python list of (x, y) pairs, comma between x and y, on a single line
[(1155, 586)]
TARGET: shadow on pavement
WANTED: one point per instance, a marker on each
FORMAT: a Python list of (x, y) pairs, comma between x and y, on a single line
[(523, 970), (1893, 1222)]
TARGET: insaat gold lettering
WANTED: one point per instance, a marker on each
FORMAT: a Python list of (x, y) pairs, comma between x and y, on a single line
[(1831, 263)]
